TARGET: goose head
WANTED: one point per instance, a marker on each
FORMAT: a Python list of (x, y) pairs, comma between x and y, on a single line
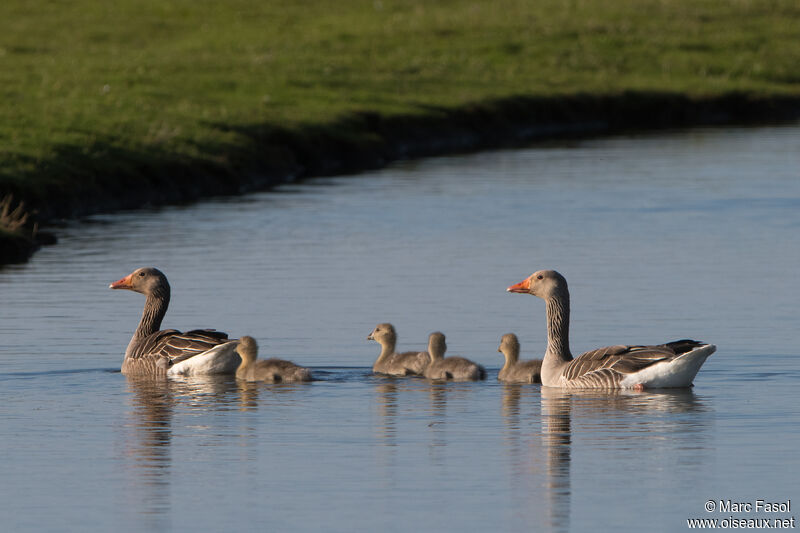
[(383, 334), (247, 349), (544, 283), (146, 281)]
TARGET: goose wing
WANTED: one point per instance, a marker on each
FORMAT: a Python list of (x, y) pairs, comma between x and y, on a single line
[(174, 346), (609, 365)]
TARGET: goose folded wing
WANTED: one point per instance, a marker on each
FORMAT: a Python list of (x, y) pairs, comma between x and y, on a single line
[(620, 360), (176, 346)]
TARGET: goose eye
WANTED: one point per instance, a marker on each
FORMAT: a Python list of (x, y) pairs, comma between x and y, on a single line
[(141, 274), (539, 277)]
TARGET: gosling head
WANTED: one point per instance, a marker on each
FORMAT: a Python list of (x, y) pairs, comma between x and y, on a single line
[(247, 349), (383, 334), (436, 345), (509, 345), (544, 283), (146, 281)]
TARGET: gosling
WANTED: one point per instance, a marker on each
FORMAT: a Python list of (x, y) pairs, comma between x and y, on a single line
[(392, 363), (453, 368), (514, 370), (269, 370)]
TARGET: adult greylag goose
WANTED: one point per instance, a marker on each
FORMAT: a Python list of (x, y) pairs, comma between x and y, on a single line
[(514, 370), (170, 352), (455, 368), (270, 370), (393, 363), (674, 364)]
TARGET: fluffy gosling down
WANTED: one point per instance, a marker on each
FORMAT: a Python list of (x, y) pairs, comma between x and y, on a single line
[(452, 368), (268, 370), (393, 363), (514, 370)]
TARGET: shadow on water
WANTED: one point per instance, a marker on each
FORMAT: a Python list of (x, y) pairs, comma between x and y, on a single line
[(623, 416)]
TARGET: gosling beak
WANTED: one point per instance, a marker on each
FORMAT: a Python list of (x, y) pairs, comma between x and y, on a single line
[(124, 283), (370, 337), (523, 287)]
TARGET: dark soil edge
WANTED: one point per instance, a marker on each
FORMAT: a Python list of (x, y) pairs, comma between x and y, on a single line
[(15, 248), (271, 155)]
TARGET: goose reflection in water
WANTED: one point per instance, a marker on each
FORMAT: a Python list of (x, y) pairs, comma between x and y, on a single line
[(153, 402), (146, 437), (616, 419), (557, 456), (151, 421)]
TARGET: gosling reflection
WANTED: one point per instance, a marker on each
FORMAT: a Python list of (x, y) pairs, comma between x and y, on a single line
[(253, 395), (395, 399), (438, 397), (248, 394), (387, 412), (438, 419), (390, 391), (518, 429), (512, 394)]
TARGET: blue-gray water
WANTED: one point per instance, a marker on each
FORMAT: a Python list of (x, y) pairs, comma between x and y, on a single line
[(690, 234)]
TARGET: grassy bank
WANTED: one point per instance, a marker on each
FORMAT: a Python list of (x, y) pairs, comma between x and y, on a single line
[(116, 104)]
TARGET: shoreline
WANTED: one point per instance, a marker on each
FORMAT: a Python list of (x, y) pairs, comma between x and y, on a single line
[(360, 142)]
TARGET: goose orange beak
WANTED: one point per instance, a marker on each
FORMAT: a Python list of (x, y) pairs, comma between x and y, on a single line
[(124, 283), (523, 287)]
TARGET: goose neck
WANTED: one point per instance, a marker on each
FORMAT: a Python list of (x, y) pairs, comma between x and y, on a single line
[(558, 326), (155, 307)]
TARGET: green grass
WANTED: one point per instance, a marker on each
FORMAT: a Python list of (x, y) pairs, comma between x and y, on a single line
[(107, 94)]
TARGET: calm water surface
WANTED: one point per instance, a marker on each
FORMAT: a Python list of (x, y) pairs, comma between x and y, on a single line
[(692, 234)]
